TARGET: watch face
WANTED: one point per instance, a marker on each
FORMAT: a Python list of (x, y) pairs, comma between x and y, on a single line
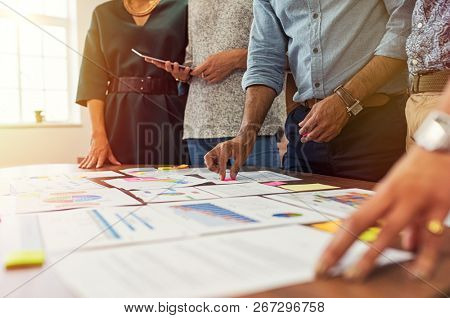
[(356, 109)]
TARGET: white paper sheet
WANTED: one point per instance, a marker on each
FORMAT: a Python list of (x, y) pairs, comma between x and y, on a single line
[(225, 265), (242, 189), (112, 226), (161, 181), (101, 227), (5, 188), (140, 172), (339, 203), (214, 177), (62, 200), (52, 183), (266, 176), (93, 174), (172, 195)]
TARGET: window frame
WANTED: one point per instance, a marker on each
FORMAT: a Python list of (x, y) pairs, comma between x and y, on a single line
[(69, 24)]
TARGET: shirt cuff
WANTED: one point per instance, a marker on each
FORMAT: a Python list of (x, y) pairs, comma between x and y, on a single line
[(392, 45), (260, 78)]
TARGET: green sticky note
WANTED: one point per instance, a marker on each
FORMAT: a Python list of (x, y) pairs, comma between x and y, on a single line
[(25, 258), (307, 187)]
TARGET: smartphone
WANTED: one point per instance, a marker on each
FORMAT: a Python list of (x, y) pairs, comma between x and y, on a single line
[(154, 59)]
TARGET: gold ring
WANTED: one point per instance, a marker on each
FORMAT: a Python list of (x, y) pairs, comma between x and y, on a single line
[(435, 227)]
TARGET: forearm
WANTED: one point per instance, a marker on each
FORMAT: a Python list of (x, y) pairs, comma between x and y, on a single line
[(258, 101), (379, 71), (97, 114), (240, 56)]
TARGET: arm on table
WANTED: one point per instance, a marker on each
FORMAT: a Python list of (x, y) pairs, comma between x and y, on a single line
[(413, 200), (100, 150)]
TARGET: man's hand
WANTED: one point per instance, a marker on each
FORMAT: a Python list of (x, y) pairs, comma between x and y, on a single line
[(219, 66), (325, 121), (414, 197), (238, 148), (100, 153)]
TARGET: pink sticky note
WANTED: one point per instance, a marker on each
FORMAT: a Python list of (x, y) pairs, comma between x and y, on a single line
[(229, 179), (275, 183)]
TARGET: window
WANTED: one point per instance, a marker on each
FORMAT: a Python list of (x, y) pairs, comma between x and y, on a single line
[(34, 62)]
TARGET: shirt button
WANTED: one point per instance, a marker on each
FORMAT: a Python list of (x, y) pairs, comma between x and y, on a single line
[(316, 50), (315, 15), (317, 85), (419, 25)]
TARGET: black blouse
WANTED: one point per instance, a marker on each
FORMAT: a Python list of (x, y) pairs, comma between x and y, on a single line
[(112, 35), (141, 128)]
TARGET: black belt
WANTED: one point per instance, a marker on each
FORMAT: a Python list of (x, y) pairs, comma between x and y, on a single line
[(143, 85), (434, 82)]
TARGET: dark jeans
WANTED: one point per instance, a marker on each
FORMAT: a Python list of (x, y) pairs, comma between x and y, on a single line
[(366, 148), (265, 153)]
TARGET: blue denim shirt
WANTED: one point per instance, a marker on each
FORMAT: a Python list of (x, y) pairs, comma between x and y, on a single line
[(327, 42)]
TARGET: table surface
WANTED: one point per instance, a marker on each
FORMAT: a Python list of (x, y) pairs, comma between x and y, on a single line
[(389, 281)]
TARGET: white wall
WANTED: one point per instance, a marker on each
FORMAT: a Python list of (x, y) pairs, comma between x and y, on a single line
[(21, 146)]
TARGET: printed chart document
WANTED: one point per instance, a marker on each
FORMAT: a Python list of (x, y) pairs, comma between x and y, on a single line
[(266, 176), (225, 265), (242, 189), (63, 200), (245, 176), (158, 181), (100, 227), (215, 178), (52, 183), (94, 174), (339, 203), (112, 226), (140, 172), (211, 216), (172, 195)]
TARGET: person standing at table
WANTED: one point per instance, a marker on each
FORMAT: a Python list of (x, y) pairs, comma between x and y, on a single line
[(428, 49), (218, 39), (348, 61), (135, 109), (414, 199)]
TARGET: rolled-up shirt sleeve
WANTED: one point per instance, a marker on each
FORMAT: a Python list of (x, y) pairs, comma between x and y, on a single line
[(398, 28), (93, 81), (267, 49)]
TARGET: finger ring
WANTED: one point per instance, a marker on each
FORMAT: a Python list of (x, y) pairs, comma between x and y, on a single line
[(177, 79), (435, 227)]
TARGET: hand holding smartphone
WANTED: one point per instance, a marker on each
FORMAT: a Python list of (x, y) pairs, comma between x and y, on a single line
[(149, 58)]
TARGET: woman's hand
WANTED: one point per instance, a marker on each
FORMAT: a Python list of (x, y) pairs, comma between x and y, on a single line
[(99, 153), (414, 201), (219, 66), (180, 74)]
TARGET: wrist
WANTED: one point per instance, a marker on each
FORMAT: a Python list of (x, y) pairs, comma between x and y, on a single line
[(239, 58), (96, 134)]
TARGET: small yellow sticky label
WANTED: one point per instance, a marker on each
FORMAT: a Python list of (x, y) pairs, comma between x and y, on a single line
[(24, 259)]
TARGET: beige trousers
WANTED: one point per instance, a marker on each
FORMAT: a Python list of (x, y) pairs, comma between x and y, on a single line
[(417, 109)]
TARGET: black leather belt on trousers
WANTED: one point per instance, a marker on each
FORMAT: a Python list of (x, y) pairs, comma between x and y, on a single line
[(434, 82), (143, 85)]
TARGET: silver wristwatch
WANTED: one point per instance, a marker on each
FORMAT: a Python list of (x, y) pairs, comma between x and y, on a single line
[(434, 133)]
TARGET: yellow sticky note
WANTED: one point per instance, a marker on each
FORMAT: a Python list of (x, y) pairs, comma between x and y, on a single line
[(308, 187), (331, 227), (182, 167), (25, 259), (370, 235), (165, 168)]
